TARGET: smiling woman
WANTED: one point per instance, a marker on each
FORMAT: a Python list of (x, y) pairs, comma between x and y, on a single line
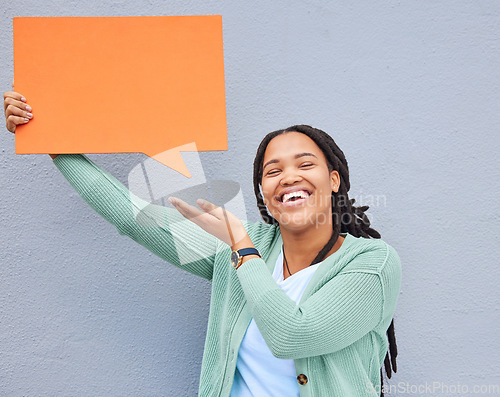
[(301, 181), (306, 307)]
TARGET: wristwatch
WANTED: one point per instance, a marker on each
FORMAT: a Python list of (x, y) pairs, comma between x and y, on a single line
[(237, 256)]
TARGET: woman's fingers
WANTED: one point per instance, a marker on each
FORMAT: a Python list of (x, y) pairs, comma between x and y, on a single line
[(17, 112), (15, 116), (188, 211), (15, 96), (215, 220), (210, 208), (13, 121)]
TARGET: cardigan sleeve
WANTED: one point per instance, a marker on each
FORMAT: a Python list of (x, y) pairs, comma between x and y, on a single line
[(163, 231), (343, 310)]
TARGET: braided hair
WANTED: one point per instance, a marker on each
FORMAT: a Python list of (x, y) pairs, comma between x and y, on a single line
[(346, 216)]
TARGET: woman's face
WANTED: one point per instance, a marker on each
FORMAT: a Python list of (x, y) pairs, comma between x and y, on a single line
[(296, 183)]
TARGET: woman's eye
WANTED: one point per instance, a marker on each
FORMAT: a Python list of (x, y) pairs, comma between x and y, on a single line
[(272, 172), (306, 165)]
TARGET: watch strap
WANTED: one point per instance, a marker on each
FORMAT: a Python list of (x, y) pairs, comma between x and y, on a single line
[(248, 251)]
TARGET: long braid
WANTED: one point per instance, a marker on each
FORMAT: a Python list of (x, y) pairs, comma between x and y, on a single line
[(346, 217)]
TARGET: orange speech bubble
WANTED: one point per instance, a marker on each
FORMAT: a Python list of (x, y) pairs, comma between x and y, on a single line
[(121, 84)]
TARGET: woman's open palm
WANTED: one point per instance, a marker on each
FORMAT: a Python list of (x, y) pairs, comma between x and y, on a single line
[(215, 220)]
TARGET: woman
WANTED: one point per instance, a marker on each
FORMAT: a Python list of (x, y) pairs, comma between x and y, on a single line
[(305, 308)]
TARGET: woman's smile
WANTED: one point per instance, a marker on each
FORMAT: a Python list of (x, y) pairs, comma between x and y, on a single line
[(294, 201), (292, 197)]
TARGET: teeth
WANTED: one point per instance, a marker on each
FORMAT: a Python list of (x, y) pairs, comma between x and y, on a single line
[(299, 193)]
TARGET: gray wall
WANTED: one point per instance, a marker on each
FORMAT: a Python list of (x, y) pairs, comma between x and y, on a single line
[(409, 90)]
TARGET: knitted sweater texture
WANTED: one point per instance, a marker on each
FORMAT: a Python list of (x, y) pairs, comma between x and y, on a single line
[(336, 335)]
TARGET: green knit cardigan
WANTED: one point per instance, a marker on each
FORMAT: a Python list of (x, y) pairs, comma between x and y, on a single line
[(336, 334)]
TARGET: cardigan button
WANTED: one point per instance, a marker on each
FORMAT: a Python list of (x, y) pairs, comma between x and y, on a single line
[(302, 379)]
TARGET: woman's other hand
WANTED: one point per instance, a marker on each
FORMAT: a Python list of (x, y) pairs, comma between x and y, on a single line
[(215, 220), (17, 111)]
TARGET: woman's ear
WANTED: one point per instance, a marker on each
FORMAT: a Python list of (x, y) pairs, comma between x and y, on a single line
[(335, 181)]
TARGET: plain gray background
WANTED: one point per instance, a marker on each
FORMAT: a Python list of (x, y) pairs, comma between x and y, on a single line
[(410, 92)]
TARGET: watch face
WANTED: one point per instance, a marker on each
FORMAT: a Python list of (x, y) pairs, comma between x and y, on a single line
[(234, 258)]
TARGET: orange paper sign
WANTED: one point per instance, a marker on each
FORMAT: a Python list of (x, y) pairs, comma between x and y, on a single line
[(121, 84)]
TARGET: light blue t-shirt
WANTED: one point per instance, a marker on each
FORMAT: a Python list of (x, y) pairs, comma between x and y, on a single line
[(258, 373)]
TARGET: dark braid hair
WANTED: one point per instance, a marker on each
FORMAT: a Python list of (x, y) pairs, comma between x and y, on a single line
[(346, 217)]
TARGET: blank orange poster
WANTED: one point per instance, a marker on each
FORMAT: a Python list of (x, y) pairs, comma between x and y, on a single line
[(120, 84)]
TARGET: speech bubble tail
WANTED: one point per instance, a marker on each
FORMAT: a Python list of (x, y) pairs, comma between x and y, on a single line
[(172, 158)]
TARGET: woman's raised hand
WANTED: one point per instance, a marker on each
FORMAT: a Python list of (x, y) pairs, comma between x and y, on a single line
[(17, 111)]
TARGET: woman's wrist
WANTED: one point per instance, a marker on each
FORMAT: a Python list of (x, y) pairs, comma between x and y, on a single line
[(246, 242)]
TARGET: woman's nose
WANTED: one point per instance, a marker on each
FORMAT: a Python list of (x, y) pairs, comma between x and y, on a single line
[(289, 178)]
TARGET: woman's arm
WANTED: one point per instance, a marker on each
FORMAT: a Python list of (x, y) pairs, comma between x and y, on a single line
[(161, 230), (343, 310)]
